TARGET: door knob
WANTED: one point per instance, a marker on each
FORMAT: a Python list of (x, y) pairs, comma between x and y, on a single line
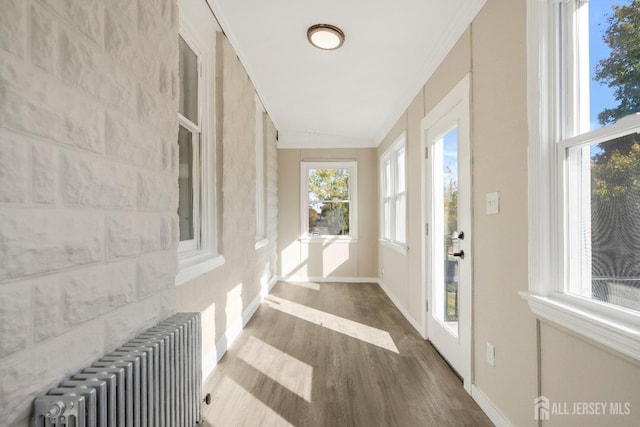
[(458, 254)]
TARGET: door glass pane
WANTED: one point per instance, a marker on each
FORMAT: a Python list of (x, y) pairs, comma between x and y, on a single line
[(446, 268), (188, 70), (185, 183)]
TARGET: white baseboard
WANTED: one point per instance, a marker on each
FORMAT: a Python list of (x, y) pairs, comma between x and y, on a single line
[(211, 359), (489, 408), (270, 285), (416, 325), (306, 279)]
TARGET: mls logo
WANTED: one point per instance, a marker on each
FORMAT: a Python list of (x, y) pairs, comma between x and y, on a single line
[(541, 408)]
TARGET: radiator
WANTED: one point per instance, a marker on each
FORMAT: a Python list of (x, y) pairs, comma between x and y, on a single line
[(153, 380)]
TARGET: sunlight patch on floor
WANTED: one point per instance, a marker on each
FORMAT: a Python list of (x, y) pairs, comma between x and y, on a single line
[(291, 373), (360, 331), (241, 406)]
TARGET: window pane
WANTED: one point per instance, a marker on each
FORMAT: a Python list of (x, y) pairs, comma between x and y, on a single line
[(185, 184), (387, 178), (329, 219), (328, 184), (386, 220), (614, 37), (188, 70), (612, 230), (329, 199), (400, 160), (401, 207)]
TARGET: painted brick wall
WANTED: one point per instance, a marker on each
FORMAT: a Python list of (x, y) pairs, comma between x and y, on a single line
[(88, 184)]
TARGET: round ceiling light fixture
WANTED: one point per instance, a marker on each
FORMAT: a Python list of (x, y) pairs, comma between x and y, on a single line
[(325, 36)]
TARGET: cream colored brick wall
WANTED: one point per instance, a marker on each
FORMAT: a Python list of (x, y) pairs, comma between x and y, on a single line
[(88, 184)]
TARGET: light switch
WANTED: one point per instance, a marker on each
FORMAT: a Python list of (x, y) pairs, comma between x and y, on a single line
[(493, 203), (491, 354)]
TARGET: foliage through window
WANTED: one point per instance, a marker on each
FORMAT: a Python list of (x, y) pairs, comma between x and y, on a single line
[(329, 198), (600, 151)]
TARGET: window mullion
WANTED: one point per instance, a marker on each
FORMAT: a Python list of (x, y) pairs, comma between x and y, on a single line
[(188, 124)]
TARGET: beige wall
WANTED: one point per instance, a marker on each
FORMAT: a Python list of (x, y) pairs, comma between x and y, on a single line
[(499, 163), (315, 260), (401, 273), (574, 370), (224, 294), (571, 368), (499, 147)]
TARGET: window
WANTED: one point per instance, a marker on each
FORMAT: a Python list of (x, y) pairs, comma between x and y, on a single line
[(189, 133), (261, 201), (197, 214), (329, 199), (394, 193), (585, 147)]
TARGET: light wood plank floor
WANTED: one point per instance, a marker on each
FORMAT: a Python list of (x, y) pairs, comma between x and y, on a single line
[(334, 354)]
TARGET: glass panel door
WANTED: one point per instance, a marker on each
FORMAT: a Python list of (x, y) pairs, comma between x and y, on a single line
[(448, 234), (448, 252)]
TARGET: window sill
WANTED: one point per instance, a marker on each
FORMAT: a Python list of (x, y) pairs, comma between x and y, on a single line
[(261, 243), (190, 267), (328, 239), (617, 334), (401, 249)]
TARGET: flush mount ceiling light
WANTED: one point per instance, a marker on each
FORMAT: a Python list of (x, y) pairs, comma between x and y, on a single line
[(325, 36)]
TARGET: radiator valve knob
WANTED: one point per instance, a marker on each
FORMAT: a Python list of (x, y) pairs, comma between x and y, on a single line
[(56, 409)]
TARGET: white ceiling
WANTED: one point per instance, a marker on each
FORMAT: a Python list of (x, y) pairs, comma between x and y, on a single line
[(350, 97)]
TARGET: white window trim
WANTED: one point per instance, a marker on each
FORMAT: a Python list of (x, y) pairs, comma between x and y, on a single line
[(615, 327), (305, 237), (193, 262), (391, 155), (401, 249), (196, 144), (261, 220)]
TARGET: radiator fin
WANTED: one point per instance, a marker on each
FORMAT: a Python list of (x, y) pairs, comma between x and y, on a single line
[(153, 380)]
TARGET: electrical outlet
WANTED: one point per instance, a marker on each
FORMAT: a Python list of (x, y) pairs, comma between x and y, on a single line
[(491, 355)]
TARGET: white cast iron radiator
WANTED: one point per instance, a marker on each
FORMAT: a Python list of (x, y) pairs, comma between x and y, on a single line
[(153, 380)]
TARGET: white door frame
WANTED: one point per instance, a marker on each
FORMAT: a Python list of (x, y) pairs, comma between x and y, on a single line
[(458, 98)]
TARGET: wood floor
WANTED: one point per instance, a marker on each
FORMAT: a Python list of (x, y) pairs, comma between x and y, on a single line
[(334, 354)]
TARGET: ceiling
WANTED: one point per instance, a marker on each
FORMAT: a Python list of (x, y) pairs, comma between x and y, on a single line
[(350, 97)]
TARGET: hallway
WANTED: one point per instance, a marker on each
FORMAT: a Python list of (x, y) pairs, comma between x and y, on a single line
[(334, 354)]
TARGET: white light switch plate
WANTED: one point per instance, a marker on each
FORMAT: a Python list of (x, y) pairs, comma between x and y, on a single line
[(493, 203)]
